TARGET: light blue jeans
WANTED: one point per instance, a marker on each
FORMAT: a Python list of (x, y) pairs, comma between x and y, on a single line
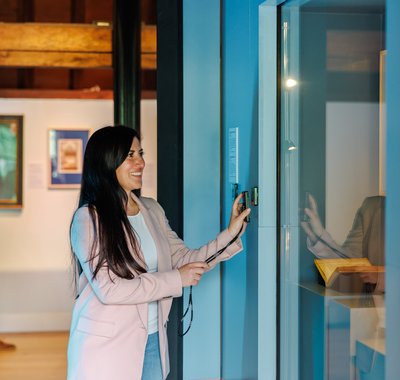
[(152, 360)]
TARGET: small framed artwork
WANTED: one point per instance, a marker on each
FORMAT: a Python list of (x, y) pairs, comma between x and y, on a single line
[(11, 161), (66, 149)]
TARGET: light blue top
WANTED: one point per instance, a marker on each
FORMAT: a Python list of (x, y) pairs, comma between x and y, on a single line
[(148, 248)]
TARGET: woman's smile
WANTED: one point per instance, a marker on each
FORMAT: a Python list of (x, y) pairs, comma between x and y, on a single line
[(130, 172)]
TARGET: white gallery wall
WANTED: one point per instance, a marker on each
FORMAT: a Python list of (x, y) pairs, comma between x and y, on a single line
[(36, 292), (352, 162)]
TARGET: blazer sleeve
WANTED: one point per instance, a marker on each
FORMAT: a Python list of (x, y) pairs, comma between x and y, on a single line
[(109, 288), (181, 254)]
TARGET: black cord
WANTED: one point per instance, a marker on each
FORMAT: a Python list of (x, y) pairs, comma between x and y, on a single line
[(215, 255), (190, 302), (189, 306)]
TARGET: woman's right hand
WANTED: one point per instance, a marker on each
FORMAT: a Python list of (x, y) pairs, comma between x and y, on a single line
[(191, 273)]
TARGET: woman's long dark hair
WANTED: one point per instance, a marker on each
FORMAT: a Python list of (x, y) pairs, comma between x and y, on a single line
[(101, 192)]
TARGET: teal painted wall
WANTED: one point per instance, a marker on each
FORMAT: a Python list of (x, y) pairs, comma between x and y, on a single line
[(201, 119), (240, 109), (393, 191), (202, 181)]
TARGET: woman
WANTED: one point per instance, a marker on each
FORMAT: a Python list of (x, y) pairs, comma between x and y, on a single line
[(132, 265)]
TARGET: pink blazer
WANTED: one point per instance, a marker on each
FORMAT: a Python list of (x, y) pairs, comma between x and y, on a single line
[(109, 322)]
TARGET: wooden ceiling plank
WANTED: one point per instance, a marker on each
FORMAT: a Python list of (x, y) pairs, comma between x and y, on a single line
[(66, 37), (54, 59), (148, 61), (66, 60), (54, 37), (149, 39), (66, 94)]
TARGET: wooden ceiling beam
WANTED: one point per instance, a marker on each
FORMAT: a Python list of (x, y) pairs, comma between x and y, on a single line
[(89, 93), (30, 59), (54, 59), (66, 45)]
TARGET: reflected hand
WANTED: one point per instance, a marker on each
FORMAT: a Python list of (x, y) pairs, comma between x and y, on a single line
[(313, 228), (307, 229), (237, 217)]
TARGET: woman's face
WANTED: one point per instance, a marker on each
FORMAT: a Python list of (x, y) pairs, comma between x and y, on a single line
[(129, 173)]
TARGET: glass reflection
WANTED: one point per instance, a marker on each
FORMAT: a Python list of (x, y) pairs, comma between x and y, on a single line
[(332, 190)]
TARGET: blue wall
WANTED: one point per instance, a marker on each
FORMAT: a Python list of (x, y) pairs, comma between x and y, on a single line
[(393, 190), (240, 109), (232, 346), (201, 108)]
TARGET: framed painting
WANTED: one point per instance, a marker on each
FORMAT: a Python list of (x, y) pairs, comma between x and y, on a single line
[(11, 127), (66, 149)]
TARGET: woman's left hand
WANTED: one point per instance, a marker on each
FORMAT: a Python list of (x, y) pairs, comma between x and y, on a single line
[(237, 217)]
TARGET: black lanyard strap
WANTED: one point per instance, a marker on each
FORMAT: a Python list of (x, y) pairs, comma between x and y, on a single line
[(189, 307), (190, 302)]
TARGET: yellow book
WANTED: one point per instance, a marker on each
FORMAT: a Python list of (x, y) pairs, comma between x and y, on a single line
[(331, 268)]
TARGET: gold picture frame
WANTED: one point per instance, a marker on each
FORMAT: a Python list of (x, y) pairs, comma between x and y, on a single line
[(11, 141)]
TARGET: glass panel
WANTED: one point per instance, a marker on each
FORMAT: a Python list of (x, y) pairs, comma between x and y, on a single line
[(332, 190)]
